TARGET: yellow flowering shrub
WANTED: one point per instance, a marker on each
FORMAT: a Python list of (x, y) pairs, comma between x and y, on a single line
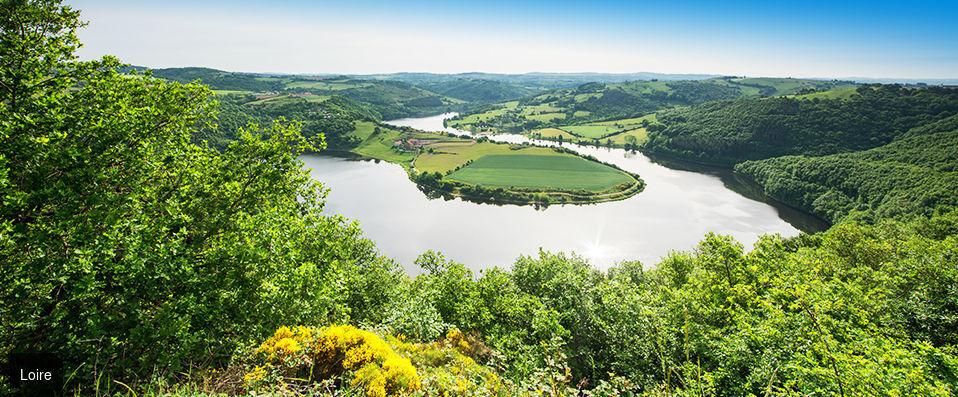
[(377, 367), (286, 342), (304, 353), (446, 370)]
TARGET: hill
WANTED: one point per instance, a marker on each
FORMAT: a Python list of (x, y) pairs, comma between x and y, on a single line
[(916, 174), (388, 99), (884, 151), (477, 91), (749, 129), (538, 81), (597, 102)]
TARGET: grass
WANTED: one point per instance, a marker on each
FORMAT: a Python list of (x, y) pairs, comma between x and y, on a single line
[(586, 97), (833, 94), (320, 85), (231, 92), (554, 133), (450, 155), (640, 134), (536, 171), (381, 146), (363, 129), (628, 122), (545, 108), (546, 117), (589, 131)]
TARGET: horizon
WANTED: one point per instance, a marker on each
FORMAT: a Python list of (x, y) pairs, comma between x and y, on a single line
[(856, 79), (870, 41)]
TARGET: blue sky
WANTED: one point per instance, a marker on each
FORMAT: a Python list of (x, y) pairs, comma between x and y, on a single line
[(802, 39)]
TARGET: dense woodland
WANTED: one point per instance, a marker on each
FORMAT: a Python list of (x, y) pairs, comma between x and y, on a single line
[(884, 152), (478, 91), (154, 265), (332, 119)]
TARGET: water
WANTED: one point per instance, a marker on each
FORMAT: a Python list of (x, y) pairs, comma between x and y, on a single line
[(681, 203)]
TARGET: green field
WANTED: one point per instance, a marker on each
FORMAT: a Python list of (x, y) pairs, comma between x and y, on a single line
[(629, 122), (546, 117), (833, 94), (640, 134), (449, 155), (536, 171), (329, 85), (554, 133), (589, 131)]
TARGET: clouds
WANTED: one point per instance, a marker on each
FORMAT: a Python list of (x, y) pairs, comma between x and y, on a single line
[(372, 37)]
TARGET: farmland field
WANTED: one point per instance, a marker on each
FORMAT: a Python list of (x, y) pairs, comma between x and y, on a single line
[(554, 133), (536, 171), (640, 134), (447, 156), (589, 131), (833, 94)]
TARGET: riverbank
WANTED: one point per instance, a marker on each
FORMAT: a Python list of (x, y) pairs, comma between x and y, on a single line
[(483, 170)]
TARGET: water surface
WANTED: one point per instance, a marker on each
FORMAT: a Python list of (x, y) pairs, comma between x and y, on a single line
[(679, 205)]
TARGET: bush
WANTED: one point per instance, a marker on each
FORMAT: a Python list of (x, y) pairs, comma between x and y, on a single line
[(307, 354)]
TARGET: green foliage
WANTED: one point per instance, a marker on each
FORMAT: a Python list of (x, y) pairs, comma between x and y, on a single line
[(218, 79), (913, 175), (128, 250), (858, 310), (593, 102), (884, 152), (750, 129), (477, 90), (133, 253)]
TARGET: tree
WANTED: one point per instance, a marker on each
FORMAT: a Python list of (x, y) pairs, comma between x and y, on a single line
[(127, 249)]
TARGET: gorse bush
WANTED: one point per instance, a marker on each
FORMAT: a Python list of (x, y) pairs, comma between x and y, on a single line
[(446, 368), (304, 354)]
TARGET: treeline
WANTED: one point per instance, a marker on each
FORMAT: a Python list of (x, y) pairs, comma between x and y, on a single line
[(388, 99), (914, 175), (395, 99), (220, 80), (855, 310), (595, 101), (477, 91), (332, 119), (886, 152), (729, 132)]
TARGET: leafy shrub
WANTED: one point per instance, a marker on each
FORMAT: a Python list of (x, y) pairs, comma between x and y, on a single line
[(446, 368), (304, 353)]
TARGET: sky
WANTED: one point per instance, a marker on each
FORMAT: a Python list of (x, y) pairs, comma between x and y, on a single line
[(824, 39)]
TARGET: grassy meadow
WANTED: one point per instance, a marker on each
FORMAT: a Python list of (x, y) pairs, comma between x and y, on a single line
[(446, 156), (544, 172)]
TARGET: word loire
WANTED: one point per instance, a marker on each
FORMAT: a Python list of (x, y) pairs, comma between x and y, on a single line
[(36, 375)]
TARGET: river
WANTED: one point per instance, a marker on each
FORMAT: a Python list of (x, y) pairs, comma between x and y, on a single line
[(681, 203)]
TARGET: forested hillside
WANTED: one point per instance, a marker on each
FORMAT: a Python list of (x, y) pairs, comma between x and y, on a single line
[(729, 132), (596, 102), (387, 99), (154, 266), (916, 174), (220, 80), (883, 152), (477, 91), (332, 118), (537, 81)]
